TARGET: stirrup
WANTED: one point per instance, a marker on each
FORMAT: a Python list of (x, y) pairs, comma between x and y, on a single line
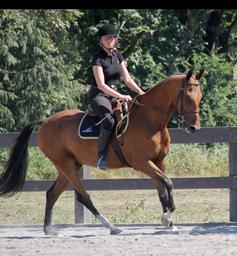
[(101, 163)]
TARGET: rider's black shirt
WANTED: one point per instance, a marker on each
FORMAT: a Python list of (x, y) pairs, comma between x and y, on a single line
[(111, 65)]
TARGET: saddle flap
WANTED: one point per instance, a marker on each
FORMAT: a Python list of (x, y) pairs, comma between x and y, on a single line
[(89, 127)]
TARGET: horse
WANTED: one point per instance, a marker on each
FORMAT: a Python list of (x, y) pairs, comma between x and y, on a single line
[(145, 145)]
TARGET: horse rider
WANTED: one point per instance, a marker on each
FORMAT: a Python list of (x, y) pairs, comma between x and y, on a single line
[(108, 68)]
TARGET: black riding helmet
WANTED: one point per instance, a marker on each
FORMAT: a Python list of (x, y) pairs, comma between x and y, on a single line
[(107, 30)]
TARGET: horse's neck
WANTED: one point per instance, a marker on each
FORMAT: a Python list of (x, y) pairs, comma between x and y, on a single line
[(158, 102)]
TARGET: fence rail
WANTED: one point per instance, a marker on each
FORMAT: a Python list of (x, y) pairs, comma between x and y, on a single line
[(206, 135)]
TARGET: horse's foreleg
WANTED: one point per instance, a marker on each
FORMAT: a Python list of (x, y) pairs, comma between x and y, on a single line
[(163, 196), (51, 197), (164, 187), (167, 203), (166, 196)]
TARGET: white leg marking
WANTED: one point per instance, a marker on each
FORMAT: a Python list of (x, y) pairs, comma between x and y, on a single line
[(105, 222), (167, 222), (167, 215), (166, 219)]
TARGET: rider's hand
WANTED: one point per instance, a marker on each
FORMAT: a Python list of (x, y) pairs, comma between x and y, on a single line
[(126, 98), (141, 92)]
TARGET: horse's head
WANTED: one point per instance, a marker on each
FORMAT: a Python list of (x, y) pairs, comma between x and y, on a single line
[(189, 100)]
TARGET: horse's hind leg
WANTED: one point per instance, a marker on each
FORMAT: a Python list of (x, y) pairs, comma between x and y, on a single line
[(85, 200), (69, 167), (51, 197)]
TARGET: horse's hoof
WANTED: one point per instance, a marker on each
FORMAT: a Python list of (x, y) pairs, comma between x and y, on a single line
[(174, 229), (115, 231), (50, 232), (166, 222)]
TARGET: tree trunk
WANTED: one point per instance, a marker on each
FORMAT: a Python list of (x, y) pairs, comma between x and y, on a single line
[(182, 15), (211, 37), (224, 38), (135, 42)]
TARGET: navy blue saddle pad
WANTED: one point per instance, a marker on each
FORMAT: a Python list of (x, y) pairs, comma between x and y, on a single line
[(88, 128)]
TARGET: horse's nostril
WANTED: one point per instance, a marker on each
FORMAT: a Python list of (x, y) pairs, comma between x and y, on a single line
[(194, 128)]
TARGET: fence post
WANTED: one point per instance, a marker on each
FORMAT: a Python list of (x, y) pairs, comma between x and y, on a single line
[(82, 215), (233, 172)]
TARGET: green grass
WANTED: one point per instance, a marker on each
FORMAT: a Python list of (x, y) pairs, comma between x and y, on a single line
[(126, 207), (198, 160), (182, 160), (129, 206), (144, 207)]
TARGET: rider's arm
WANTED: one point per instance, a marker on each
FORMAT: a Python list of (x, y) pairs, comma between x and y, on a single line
[(100, 81), (129, 81)]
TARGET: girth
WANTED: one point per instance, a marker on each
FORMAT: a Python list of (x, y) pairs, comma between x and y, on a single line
[(118, 151)]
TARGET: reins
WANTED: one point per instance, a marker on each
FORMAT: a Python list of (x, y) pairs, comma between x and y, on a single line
[(134, 101), (116, 142)]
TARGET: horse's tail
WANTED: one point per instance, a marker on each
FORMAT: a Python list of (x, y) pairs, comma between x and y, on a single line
[(13, 177)]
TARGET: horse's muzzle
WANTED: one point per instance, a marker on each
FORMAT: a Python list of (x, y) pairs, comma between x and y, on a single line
[(192, 128)]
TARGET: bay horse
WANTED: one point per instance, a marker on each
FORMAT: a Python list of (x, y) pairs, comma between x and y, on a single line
[(145, 145)]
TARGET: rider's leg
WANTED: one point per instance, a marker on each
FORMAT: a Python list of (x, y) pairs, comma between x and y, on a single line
[(102, 106), (104, 138)]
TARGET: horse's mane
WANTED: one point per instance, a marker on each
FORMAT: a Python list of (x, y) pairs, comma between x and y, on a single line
[(166, 79)]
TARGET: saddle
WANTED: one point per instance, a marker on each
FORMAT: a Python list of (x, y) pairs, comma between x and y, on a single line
[(120, 108), (89, 127)]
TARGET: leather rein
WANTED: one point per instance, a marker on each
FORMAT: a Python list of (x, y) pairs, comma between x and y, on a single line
[(116, 143)]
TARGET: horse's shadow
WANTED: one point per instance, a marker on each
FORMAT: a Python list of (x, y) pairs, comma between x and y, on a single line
[(214, 228), (18, 237), (187, 229), (45, 237), (202, 229), (210, 228)]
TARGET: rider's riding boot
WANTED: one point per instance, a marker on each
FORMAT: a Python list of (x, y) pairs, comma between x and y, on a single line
[(103, 143)]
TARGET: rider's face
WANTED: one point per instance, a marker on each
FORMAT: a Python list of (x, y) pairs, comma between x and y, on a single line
[(108, 41)]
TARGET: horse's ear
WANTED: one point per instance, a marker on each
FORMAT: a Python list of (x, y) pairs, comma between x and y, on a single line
[(189, 74), (199, 74)]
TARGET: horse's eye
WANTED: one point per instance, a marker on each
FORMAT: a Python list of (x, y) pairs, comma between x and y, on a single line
[(189, 99)]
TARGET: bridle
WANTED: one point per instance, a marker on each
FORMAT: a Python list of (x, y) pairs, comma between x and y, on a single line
[(180, 98), (181, 111)]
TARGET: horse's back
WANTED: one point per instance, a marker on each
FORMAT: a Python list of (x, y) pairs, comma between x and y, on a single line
[(56, 129), (61, 119), (58, 116)]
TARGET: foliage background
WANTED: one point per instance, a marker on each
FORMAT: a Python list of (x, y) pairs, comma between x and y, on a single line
[(45, 67), (45, 57)]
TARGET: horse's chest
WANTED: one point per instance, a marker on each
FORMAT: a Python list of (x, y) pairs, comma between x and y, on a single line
[(159, 145)]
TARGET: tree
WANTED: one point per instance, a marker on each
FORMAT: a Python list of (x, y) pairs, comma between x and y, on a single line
[(36, 67), (45, 57)]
